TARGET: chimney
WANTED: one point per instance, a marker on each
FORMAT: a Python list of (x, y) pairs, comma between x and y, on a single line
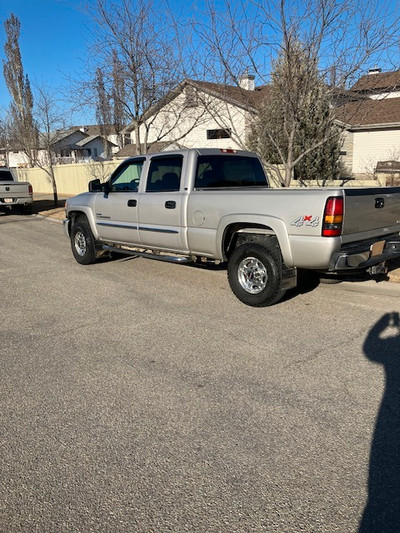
[(374, 70), (246, 81)]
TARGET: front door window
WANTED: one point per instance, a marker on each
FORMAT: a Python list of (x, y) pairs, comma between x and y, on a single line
[(127, 177)]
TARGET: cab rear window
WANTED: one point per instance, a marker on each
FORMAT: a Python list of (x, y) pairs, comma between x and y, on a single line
[(228, 171), (5, 175)]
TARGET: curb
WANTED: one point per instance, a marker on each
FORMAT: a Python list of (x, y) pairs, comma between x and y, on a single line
[(49, 218), (395, 275)]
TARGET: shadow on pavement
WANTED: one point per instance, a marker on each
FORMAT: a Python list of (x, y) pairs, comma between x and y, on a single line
[(382, 511), (46, 205)]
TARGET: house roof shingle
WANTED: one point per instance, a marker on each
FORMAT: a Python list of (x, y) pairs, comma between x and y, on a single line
[(369, 112), (383, 81), (233, 93), (89, 139), (129, 150), (388, 167), (247, 99)]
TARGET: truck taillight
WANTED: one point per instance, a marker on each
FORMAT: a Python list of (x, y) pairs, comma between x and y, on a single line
[(30, 190), (333, 217)]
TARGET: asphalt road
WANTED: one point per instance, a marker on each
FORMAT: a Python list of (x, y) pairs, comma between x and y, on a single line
[(139, 396)]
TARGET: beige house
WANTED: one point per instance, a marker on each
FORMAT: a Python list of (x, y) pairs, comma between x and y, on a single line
[(200, 114), (372, 123), (212, 115), (203, 114)]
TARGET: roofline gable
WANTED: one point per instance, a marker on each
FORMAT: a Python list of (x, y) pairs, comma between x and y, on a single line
[(199, 86)]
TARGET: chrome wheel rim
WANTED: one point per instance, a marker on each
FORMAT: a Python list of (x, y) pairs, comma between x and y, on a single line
[(80, 243), (252, 275)]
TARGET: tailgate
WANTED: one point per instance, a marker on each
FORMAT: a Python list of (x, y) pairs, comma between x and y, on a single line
[(13, 189), (372, 211)]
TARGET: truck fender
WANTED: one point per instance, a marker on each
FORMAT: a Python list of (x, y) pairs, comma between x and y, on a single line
[(75, 212), (274, 224)]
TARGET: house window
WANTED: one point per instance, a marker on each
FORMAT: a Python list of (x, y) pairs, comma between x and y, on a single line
[(218, 134)]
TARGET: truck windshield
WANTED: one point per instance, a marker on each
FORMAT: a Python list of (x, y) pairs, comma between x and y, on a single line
[(229, 171)]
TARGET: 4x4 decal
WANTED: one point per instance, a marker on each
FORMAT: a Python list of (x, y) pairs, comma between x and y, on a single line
[(306, 220)]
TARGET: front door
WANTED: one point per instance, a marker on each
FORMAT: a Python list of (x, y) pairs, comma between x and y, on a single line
[(116, 212)]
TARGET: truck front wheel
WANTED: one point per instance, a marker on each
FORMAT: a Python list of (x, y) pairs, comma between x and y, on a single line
[(82, 243), (255, 274)]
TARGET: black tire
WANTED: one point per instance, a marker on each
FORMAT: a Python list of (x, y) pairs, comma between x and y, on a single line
[(255, 274), (82, 242)]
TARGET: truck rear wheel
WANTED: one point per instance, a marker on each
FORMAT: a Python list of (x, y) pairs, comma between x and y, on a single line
[(82, 243), (255, 274)]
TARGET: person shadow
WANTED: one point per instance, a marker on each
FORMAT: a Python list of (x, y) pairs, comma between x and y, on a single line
[(382, 511)]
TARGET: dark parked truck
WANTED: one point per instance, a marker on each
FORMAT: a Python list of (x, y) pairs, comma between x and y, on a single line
[(217, 205), (14, 194)]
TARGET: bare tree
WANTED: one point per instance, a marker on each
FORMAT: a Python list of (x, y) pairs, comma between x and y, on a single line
[(103, 111), (137, 59), (139, 51), (49, 117), (20, 90), (118, 97), (336, 39), (8, 138)]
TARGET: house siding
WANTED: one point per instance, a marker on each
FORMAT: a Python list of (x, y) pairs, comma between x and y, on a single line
[(187, 126), (66, 142), (369, 147), (348, 150)]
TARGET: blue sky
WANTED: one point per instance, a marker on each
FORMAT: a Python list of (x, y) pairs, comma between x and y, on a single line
[(53, 42), (56, 35)]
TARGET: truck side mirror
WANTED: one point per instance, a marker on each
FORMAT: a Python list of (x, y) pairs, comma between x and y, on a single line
[(95, 186)]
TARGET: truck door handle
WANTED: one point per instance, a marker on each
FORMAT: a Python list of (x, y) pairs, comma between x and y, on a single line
[(170, 204), (132, 203)]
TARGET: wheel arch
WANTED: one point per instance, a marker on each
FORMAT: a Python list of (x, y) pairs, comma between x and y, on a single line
[(234, 231), (82, 212)]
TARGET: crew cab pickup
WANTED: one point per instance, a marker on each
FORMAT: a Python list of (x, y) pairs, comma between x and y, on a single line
[(14, 194), (217, 205)]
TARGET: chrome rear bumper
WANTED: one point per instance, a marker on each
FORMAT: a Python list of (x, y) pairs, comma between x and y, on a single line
[(366, 255)]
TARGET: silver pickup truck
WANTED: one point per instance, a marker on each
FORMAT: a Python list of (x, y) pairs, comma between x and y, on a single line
[(14, 194), (217, 205)]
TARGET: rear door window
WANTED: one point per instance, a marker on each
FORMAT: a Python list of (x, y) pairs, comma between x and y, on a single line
[(165, 174)]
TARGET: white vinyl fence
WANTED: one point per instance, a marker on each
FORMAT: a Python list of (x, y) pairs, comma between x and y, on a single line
[(74, 178), (70, 179)]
